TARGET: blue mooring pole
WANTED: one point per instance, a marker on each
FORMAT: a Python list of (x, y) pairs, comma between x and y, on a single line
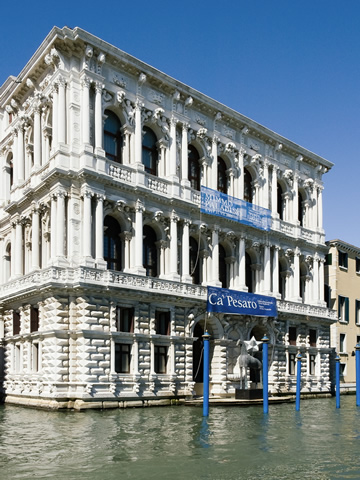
[(337, 380), (357, 359), (298, 382), (265, 358), (206, 338)]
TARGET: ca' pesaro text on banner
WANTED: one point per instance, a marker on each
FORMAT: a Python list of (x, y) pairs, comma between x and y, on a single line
[(223, 300), (222, 205)]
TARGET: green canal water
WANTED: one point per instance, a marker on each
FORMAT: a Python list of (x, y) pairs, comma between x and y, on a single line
[(319, 442)]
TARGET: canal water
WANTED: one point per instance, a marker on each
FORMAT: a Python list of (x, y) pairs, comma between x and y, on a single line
[(319, 442)]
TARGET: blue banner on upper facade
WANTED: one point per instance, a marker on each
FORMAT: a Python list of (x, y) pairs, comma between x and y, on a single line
[(222, 205), (222, 300)]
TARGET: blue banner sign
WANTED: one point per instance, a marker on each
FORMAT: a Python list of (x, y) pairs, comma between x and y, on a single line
[(222, 300), (222, 205)]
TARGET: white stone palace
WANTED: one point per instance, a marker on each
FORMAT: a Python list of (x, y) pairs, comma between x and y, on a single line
[(106, 256)]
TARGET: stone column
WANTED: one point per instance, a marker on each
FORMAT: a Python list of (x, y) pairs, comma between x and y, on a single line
[(267, 270), (321, 279), (265, 199), (55, 120), (138, 240), (185, 245), (214, 169), (62, 111), (162, 246), (60, 224), (231, 176), (127, 236), (172, 169), (13, 249), (184, 152), (98, 116), (275, 271), (240, 192), (242, 264), (174, 247), (19, 251), (296, 278), (99, 232), (316, 295), (138, 131), (37, 137), (320, 208), (127, 133), (21, 154), (274, 205), (85, 110), (53, 232), (215, 257), (35, 238), (204, 254), (87, 195), (295, 199)]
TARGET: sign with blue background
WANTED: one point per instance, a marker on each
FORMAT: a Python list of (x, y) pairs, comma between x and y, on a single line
[(222, 300), (222, 205)]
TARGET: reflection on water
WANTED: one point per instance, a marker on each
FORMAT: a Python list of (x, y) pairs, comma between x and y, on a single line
[(319, 442)]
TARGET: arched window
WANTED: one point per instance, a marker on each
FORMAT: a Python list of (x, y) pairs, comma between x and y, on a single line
[(113, 140), (112, 244), (247, 186), (193, 168), (280, 202), (301, 209), (149, 151), (222, 267), (194, 261), (150, 251), (222, 177), (249, 273)]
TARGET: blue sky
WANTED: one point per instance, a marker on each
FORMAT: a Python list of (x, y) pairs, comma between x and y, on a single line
[(291, 65)]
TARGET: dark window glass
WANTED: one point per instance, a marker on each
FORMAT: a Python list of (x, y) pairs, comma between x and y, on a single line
[(122, 357), (300, 209), (193, 168), (160, 353), (247, 186), (292, 335), (222, 267), (125, 319), (280, 202), (162, 322), (328, 259), (113, 140), (112, 244), (343, 259), (149, 251), (194, 261), (222, 177), (312, 337), (149, 151), (16, 323), (34, 319), (357, 264), (327, 295), (11, 173), (248, 274)]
